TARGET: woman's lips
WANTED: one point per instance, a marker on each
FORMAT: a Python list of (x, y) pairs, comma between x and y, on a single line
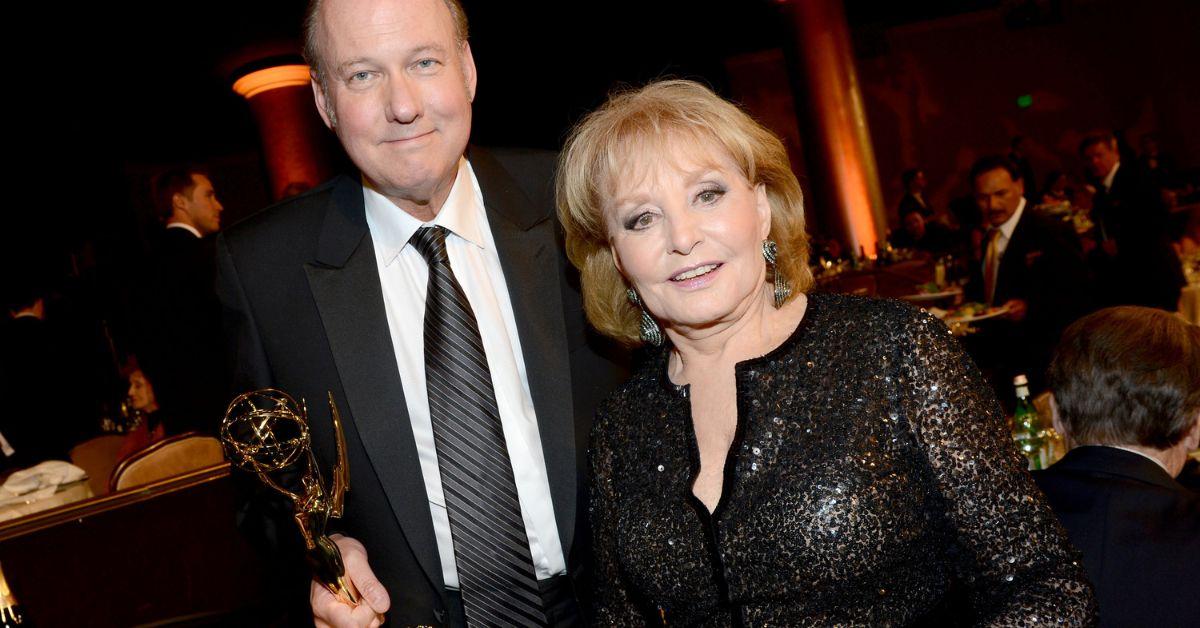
[(696, 275)]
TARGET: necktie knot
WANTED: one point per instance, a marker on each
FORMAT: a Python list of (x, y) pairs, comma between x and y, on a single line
[(430, 242)]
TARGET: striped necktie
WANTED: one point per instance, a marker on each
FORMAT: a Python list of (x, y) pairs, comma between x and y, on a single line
[(491, 548)]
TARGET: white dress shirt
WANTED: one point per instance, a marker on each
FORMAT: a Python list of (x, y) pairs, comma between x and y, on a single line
[(404, 276), (1112, 174), (186, 227)]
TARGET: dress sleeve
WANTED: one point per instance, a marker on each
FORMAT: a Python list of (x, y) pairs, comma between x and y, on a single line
[(1015, 557), (614, 605)]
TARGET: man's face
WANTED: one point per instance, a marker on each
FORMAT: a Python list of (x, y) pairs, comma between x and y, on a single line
[(998, 195), (201, 206), (1101, 157), (399, 93)]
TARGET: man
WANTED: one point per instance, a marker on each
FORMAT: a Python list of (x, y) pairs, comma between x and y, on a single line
[(914, 190), (180, 343), (363, 286), (41, 416), (1031, 266), (920, 234), (1134, 258), (1126, 384)]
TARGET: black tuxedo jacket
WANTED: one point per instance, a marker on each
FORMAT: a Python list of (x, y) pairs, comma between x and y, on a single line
[(179, 342), (1146, 270), (1044, 266), (305, 313), (1138, 530)]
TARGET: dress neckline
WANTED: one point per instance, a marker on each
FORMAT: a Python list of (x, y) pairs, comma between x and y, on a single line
[(663, 361)]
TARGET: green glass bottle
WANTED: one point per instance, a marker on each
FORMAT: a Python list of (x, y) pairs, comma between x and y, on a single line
[(1027, 432)]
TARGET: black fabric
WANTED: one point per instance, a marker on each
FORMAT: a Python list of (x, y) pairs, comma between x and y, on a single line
[(1138, 530), (304, 312), (179, 344), (1145, 269), (871, 482), (39, 421), (491, 548)]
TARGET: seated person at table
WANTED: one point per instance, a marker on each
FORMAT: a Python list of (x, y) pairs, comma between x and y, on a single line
[(38, 419), (1126, 384), (1033, 266), (141, 400), (921, 234)]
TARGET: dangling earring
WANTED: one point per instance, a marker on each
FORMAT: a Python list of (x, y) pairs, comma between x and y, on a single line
[(651, 333), (783, 289)]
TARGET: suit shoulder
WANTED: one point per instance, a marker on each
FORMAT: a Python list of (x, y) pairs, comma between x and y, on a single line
[(283, 221)]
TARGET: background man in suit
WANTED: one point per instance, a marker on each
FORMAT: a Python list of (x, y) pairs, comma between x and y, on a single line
[(180, 343), (1033, 266), (1126, 384), (331, 290), (1135, 260)]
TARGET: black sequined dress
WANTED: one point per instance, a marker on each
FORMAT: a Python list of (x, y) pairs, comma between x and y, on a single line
[(871, 482)]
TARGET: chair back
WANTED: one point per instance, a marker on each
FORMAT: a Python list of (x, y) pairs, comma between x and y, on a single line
[(167, 458), (97, 456)]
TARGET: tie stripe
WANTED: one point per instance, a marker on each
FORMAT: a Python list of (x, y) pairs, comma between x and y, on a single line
[(491, 547)]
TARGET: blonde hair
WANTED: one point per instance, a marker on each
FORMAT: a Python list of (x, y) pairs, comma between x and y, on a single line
[(640, 126)]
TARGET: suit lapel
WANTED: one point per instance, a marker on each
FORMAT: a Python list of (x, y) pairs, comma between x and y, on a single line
[(525, 241), (344, 281)]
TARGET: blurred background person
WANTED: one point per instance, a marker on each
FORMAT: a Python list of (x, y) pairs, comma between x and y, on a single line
[(142, 404), (39, 422), (180, 344), (1126, 383), (1033, 267), (914, 194), (1134, 260), (929, 236)]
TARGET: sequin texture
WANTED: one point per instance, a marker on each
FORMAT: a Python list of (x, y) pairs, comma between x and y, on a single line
[(861, 489)]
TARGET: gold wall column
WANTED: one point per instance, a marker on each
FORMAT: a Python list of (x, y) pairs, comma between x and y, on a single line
[(837, 144), (291, 132)]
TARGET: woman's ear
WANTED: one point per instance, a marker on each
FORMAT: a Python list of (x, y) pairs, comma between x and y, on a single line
[(763, 205)]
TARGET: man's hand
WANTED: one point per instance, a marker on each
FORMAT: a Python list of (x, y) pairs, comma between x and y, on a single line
[(331, 612), (1017, 309)]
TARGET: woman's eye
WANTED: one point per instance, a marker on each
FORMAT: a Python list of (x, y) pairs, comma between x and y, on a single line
[(639, 221), (710, 196)]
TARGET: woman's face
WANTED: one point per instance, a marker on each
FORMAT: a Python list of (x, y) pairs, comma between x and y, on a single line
[(687, 234), (141, 394)]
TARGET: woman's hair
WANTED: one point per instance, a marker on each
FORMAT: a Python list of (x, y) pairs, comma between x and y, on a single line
[(1128, 376), (637, 128)]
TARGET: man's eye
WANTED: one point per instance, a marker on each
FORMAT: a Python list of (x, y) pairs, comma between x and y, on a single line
[(360, 76), (426, 64)]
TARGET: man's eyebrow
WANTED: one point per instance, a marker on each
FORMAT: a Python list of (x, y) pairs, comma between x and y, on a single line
[(419, 50), (352, 62)]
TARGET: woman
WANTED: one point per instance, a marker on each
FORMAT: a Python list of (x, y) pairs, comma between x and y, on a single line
[(141, 400), (783, 458)]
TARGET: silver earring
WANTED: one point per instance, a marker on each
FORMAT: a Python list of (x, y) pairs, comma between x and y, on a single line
[(651, 333), (783, 289)]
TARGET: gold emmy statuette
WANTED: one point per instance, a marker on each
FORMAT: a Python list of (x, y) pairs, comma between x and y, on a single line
[(266, 432)]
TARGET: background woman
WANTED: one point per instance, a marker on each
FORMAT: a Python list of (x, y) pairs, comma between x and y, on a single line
[(784, 458)]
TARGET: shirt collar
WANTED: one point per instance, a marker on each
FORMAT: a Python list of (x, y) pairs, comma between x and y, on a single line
[(1010, 225), (183, 225), (1112, 174), (391, 227)]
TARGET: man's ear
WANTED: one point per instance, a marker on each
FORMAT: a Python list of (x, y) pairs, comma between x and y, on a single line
[(468, 69), (1192, 438), (322, 101), (1056, 421)]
